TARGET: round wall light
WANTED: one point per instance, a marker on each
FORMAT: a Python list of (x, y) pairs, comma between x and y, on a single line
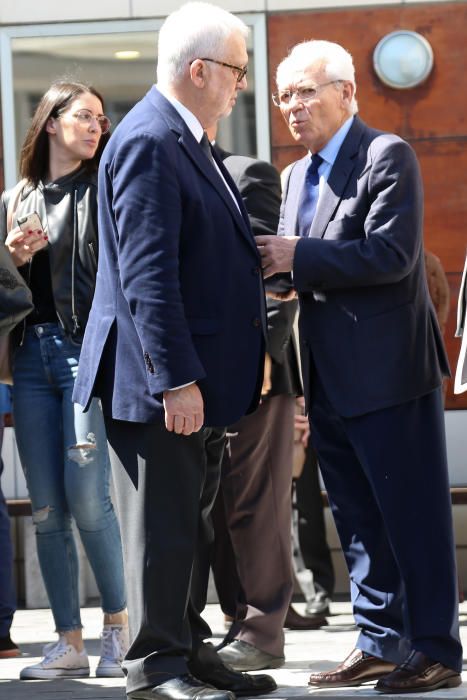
[(403, 59)]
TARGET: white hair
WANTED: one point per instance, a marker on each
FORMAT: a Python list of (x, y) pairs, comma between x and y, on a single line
[(336, 62), (195, 30)]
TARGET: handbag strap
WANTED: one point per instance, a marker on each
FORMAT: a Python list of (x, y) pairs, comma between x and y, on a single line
[(13, 202)]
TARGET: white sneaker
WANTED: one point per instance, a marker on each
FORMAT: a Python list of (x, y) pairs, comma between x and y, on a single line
[(60, 660), (115, 643)]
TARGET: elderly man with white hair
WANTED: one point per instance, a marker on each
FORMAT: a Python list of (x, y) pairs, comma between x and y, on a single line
[(174, 347), (373, 361)]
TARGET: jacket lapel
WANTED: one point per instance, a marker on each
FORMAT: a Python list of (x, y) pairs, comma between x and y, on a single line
[(239, 214), (338, 178), (193, 150)]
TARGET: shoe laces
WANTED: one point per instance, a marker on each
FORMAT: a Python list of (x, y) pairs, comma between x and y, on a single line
[(113, 643), (54, 650)]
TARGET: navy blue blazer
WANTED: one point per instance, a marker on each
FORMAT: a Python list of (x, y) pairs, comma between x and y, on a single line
[(366, 319), (179, 295)]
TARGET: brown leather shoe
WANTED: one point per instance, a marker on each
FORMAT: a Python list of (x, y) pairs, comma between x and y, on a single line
[(295, 621), (420, 674), (359, 667)]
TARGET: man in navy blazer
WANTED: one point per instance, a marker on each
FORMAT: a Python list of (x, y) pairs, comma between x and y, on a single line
[(174, 346), (373, 361)]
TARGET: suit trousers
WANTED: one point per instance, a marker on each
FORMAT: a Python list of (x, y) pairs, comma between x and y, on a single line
[(387, 481), (160, 478), (252, 523)]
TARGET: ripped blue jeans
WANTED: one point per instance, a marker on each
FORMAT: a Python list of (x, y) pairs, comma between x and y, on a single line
[(64, 455)]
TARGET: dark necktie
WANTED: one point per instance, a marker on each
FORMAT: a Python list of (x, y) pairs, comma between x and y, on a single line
[(206, 146), (308, 197)]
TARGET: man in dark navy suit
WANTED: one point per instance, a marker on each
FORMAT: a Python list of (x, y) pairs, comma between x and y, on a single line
[(373, 361), (175, 342)]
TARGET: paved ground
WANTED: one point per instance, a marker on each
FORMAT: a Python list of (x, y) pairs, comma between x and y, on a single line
[(304, 650)]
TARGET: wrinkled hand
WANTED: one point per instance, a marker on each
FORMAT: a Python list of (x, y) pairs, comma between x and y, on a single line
[(277, 253), (184, 410), (23, 246)]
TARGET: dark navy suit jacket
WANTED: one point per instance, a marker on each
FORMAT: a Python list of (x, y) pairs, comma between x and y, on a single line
[(366, 320), (179, 296)]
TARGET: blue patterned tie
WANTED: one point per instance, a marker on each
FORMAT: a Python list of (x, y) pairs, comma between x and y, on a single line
[(308, 197)]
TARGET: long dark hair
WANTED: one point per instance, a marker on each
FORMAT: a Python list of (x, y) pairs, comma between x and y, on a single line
[(34, 157)]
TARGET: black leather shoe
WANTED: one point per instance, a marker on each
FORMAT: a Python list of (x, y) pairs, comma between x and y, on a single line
[(241, 684), (242, 656), (181, 688), (207, 665), (419, 674), (8, 649), (295, 621)]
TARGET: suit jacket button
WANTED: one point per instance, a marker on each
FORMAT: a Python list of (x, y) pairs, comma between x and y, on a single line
[(148, 361)]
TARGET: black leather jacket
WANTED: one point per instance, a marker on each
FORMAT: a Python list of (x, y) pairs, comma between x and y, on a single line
[(68, 210)]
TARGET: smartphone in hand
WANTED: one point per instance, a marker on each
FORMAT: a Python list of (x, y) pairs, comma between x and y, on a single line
[(32, 229), (30, 223)]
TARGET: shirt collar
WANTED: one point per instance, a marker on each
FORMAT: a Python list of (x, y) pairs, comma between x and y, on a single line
[(331, 149), (188, 117)]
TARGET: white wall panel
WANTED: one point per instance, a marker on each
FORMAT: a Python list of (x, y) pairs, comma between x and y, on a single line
[(27, 12), (150, 8)]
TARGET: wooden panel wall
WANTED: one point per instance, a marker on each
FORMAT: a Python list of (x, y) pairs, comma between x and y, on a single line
[(432, 117)]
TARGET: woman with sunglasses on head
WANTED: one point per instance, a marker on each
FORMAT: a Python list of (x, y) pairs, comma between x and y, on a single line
[(63, 450)]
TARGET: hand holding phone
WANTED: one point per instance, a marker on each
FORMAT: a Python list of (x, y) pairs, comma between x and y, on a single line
[(31, 224), (26, 239)]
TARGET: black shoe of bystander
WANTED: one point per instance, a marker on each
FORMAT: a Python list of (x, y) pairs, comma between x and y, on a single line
[(8, 649)]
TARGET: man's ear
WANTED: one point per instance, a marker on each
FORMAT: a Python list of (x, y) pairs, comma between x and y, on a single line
[(50, 127), (198, 73), (348, 91)]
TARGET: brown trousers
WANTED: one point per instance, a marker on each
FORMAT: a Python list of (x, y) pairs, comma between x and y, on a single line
[(251, 556)]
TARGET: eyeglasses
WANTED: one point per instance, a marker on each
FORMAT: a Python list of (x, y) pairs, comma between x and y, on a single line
[(86, 117), (241, 72), (304, 93)]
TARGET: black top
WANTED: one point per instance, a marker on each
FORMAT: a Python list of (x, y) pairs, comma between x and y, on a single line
[(40, 284)]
